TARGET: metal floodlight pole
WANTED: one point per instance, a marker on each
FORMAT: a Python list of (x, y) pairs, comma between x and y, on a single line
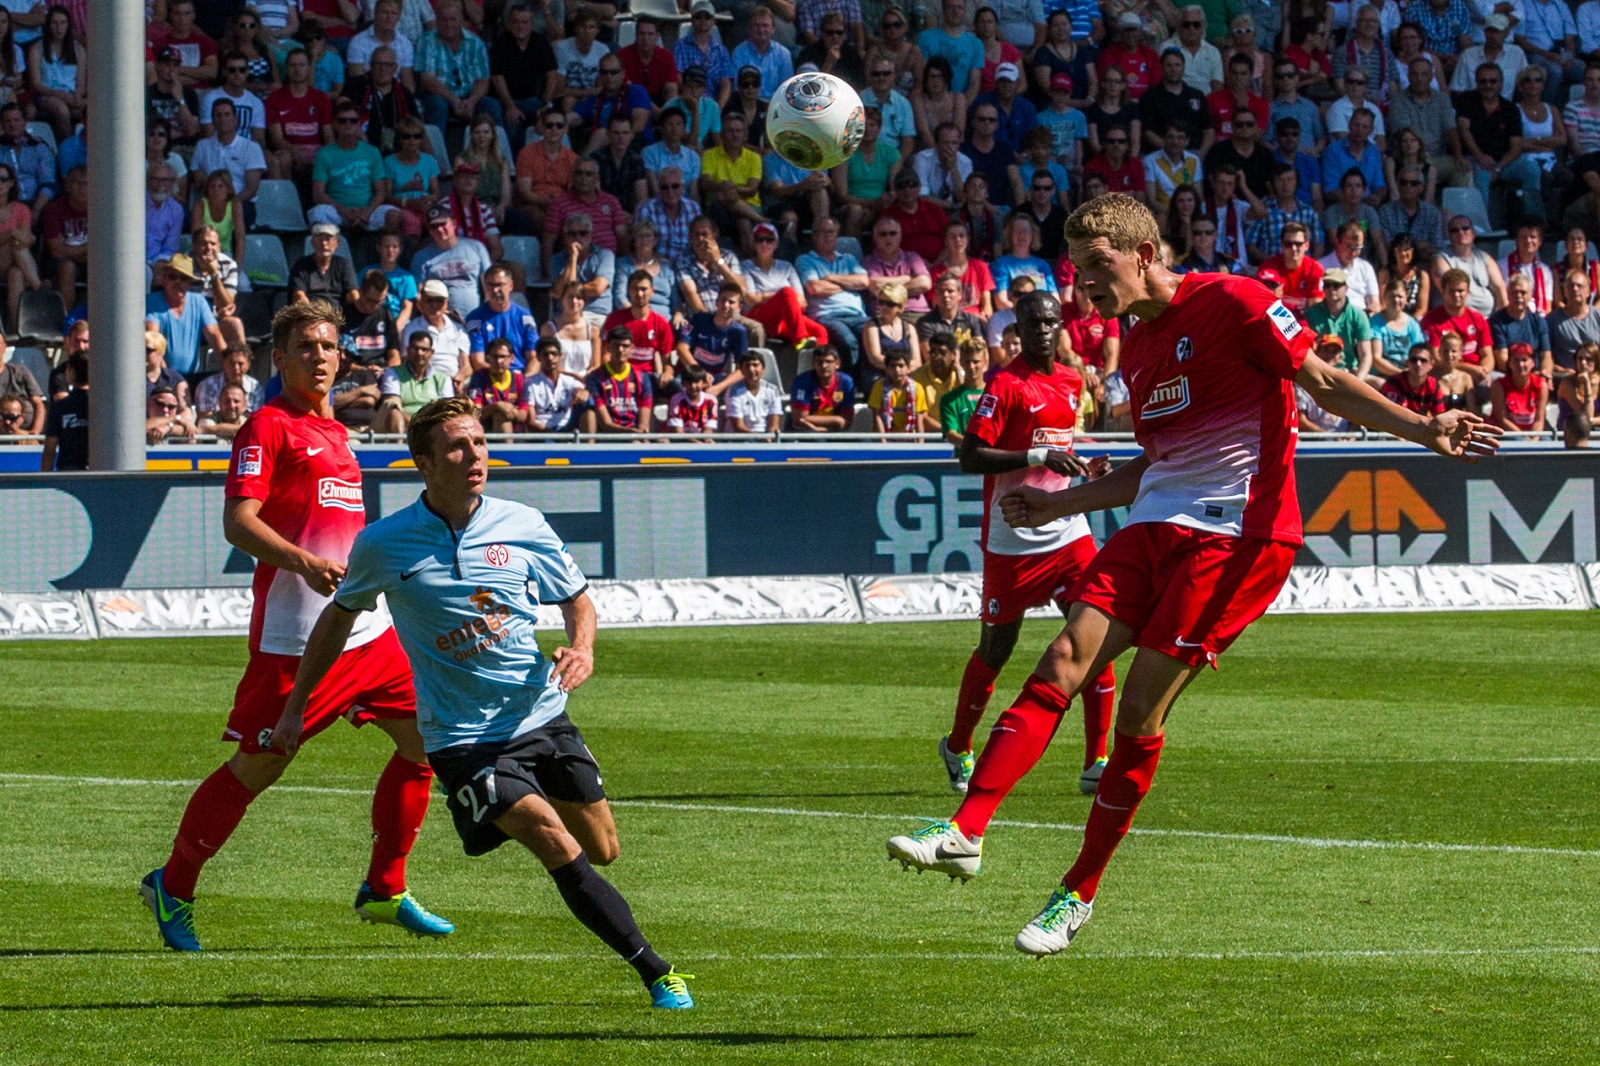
[(116, 227)]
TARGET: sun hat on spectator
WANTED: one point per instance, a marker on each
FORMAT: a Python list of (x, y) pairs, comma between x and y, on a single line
[(183, 266), (324, 229), (435, 288), (1061, 80), (1336, 276), (1330, 340), (1129, 20), (1008, 71)]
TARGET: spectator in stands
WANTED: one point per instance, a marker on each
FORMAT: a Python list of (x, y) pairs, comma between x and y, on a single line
[(702, 116), (980, 217), (670, 151), (653, 338), (348, 182), (75, 343), (614, 96), (730, 180), (486, 204), (1202, 62), (1283, 206), (1353, 205), (1308, 170), (457, 261), (407, 387), (475, 219), (163, 215), (1495, 49), (66, 442), (452, 70), (383, 33), (834, 282), (1415, 388), (621, 396), (65, 228), (14, 415), (1456, 315), (1488, 287), (1573, 324), (1403, 266), (694, 410), (544, 169), (17, 264), (1518, 398), (1578, 399), (1289, 104), (960, 53), (1355, 98), (1429, 113), (553, 397), (754, 404), (956, 407), (323, 274), (29, 159), (1021, 241), (793, 197), (197, 52), (1121, 171), (1242, 150), (605, 211), (235, 371), (17, 382), (706, 267), (774, 296), (948, 314), (299, 120), (329, 21), (938, 375), (498, 317), (57, 69), (645, 62), (886, 333), (218, 207), (772, 62), (497, 389), (1410, 213), (167, 417), (1525, 259), (944, 168), (702, 47), (171, 103), (218, 277), (1172, 101), (1349, 240), (714, 340), (620, 167), (823, 398), (578, 336), (833, 52), (403, 288), (1338, 315), (1168, 167), (663, 275), (889, 263), (522, 71), (977, 283), (922, 222), (989, 155), (897, 402), (1518, 322), (250, 108), (1460, 390), (1300, 274), (184, 318), (1549, 36), (232, 409), (412, 176), (1037, 159), (1491, 134), (1236, 97), (1396, 332), (578, 60), (383, 100), (1582, 118), (1355, 151), (449, 344), (372, 339), (583, 267)]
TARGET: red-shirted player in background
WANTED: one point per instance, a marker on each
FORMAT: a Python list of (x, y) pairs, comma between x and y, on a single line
[(1021, 434), (1211, 532), (294, 504)]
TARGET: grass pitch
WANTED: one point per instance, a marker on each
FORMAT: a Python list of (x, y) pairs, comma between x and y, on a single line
[(1372, 839)]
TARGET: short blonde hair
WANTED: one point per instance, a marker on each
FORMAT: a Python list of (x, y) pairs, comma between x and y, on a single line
[(154, 338), (893, 293), (1121, 219)]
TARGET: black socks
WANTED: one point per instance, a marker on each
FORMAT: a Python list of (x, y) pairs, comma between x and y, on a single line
[(600, 907)]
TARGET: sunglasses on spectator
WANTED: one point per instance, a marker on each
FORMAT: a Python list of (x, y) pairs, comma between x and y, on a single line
[(883, 73), (1044, 188), (1203, 232), (984, 118), (166, 407), (1287, 243), (1414, 182), (1187, 24), (10, 418), (894, 24), (671, 185), (7, 179), (748, 83), (555, 125), (348, 120), (766, 238), (1460, 229), (833, 33)]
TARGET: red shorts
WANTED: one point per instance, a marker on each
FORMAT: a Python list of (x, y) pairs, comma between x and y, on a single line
[(372, 681), (1014, 584), (1184, 592)]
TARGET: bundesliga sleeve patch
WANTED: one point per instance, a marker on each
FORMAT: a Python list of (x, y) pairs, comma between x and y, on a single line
[(986, 406), (1284, 319), (249, 464)]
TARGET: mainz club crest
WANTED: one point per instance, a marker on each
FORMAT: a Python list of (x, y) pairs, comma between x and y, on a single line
[(497, 555)]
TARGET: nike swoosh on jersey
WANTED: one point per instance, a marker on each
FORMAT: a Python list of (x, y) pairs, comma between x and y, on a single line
[(407, 575), (1180, 642), (1036, 410), (313, 451)]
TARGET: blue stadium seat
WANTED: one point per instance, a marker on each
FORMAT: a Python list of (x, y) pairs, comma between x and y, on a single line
[(40, 317), (436, 144), (264, 261), (278, 207), (524, 250), (851, 245), (1468, 202), (772, 373), (255, 310), (35, 362), (44, 132)]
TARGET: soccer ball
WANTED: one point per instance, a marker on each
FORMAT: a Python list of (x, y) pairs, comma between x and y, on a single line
[(816, 121)]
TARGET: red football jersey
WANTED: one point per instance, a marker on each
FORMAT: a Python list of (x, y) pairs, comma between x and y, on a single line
[(686, 417), (1211, 380), (302, 118), (299, 465), (1022, 409), (1302, 287), (1089, 333), (651, 334), (1473, 328)]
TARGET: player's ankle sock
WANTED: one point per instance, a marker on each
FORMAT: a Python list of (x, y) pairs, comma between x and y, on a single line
[(977, 685), (214, 812), (599, 906), (398, 807), (1015, 744), (1099, 705), (1125, 782)]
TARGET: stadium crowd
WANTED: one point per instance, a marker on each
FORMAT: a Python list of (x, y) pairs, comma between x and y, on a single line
[(569, 212)]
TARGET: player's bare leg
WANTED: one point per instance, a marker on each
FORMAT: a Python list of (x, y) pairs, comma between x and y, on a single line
[(593, 826), (399, 804), (1152, 686), (1090, 641), (534, 822), (996, 642)]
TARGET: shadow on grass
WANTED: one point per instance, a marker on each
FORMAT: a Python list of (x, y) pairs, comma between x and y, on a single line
[(722, 1039), (292, 1003)]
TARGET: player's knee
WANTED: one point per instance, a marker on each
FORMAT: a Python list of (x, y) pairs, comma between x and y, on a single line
[(604, 852), (1138, 714)]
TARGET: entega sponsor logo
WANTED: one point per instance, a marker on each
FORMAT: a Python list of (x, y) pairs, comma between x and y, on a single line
[(477, 635), (337, 492), (1167, 398)]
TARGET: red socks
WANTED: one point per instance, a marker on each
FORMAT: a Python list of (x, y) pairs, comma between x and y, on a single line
[(1099, 707), (977, 685), (398, 807), (1015, 744), (1126, 780), (214, 812)]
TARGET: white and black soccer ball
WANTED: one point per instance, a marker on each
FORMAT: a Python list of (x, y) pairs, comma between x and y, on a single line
[(816, 121)]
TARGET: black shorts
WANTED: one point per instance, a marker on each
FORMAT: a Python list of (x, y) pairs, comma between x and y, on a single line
[(483, 781)]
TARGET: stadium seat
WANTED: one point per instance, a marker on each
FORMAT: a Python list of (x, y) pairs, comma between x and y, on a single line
[(524, 250), (1574, 93), (255, 310), (40, 317), (186, 244), (501, 136), (344, 247), (35, 361), (772, 373), (264, 262), (278, 207), (436, 145), (861, 419), (45, 132), (521, 301), (851, 245), (1465, 202), (1505, 248)]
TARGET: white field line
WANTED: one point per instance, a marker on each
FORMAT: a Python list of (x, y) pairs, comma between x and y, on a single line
[(801, 812)]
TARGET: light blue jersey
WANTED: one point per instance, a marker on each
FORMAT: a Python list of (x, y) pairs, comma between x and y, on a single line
[(464, 605)]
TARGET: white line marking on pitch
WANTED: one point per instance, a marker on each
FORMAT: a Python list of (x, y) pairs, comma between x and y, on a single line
[(801, 812)]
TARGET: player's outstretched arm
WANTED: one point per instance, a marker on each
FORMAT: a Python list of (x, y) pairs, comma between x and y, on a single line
[(242, 525), (1029, 506), (1457, 434), (574, 663), (323, 649)]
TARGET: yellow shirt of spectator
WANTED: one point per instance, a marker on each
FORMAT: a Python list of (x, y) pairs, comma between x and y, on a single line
[(716, 166), (933, 386), (899, 407)]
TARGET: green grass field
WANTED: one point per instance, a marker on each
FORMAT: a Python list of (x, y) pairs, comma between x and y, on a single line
[(1373, 839)]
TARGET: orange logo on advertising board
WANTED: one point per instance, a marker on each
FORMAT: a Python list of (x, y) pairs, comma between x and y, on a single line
[(1372, 503)]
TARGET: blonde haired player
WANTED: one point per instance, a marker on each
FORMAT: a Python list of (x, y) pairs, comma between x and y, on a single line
[(1212, 526)]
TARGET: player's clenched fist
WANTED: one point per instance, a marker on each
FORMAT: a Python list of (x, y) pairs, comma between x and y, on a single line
[(1027, 506), (572, 667), (323, 575)]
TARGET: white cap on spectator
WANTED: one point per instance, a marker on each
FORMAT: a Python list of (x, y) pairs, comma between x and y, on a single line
[(436, 288), (324, 229), (1007, 70), (1129, 20), (1497, 21)]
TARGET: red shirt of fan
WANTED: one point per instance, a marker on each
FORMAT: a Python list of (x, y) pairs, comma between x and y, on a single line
[(652, 335), (693, 416), (299, 465), (1089, 333), (1128, 178), (1472, 327), (302, 117), (1302, 287)]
